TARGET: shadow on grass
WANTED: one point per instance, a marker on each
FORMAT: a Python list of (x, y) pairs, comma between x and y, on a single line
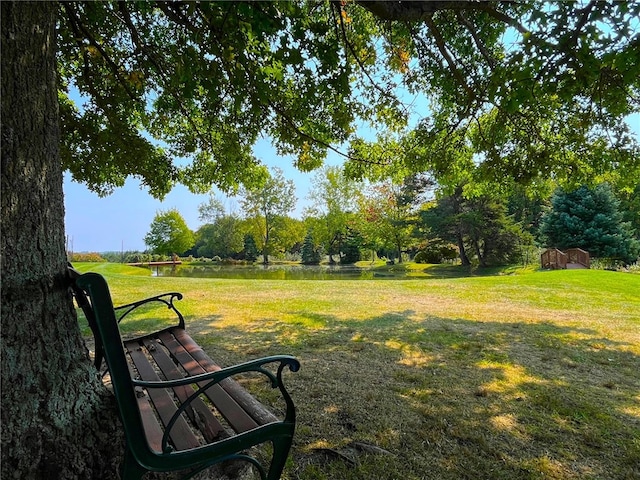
[(449, 398), (442, 271)]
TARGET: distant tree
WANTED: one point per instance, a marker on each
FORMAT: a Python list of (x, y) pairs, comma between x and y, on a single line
[(310, 252), (223, 237), (435, 250), (493, 235), (202, 247), (589, 219), (389, 211), (526, 205), (351, 247), (289, 237), (630, 207), (478, 225), (333, 202), (442, 219), (169, 233), (250, 250), (211, 210), (264, 204)]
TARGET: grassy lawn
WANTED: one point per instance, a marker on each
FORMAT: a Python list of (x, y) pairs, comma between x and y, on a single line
[(528, 376)]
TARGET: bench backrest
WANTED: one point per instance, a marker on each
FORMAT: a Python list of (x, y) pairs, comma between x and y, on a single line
[(83, 303), (108, 332)]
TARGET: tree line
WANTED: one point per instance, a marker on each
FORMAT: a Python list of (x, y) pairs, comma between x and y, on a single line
[(349, 220)]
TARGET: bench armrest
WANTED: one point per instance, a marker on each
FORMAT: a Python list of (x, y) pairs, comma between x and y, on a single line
[(164, 298), (215, 377), (207, 380)]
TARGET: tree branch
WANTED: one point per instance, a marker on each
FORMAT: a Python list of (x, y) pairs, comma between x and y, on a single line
[(150, 54), (81, 31), (442, 47), (350, 48), (474, 34), (416, 11)]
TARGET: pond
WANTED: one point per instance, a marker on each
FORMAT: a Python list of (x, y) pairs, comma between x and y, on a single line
[(277, 272)]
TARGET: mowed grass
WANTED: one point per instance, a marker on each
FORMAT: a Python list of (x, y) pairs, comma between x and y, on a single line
[(530, 376)]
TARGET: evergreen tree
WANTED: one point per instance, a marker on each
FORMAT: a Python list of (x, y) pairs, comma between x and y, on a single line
[(310, 254), (589, 219), (351, 248), (479, 226), (250, 251)]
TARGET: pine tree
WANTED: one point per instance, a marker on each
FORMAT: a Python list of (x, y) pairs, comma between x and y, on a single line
[(250, 249), (310, 254), (589, 219), (351, 248)]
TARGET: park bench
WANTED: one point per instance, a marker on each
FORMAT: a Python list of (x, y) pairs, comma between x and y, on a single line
[(179, 409)]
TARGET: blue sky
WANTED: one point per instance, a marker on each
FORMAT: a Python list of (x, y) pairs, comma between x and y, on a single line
[(121, 220)]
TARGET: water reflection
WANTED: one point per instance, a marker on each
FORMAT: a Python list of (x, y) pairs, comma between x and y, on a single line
[(274, 272)]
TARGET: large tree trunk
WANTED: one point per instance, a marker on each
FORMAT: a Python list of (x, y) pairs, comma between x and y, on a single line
[(58, 421)]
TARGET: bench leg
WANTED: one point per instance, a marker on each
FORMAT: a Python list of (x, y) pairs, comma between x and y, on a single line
[(281, 448), (131, 470)]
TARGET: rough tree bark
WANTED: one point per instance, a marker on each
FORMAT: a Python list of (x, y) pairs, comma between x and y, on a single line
[(58, 421)]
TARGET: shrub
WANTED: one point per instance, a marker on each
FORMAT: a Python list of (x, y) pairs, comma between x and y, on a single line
[(436, 252), (85, 257)]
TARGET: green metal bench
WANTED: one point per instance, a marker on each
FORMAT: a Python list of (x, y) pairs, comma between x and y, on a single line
[(179, 409)]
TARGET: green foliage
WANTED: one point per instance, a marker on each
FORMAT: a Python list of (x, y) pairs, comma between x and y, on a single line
[(589, 219), (436, 251), (211, 210), (551, 101), (333, 196), (249, 250), (289, 236), (206, 80), (223, 237), (351, 248), (310, 252), (264, 204), (385, 219), (86, 257), (479, 226), (169, 233)]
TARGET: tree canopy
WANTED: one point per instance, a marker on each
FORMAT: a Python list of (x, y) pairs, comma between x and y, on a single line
[(179, 92), (169, 233)]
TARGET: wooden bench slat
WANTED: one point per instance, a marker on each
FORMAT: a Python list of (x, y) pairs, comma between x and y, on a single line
[(181, 435), (233, 413), (259, 413), (197, 411), (152, 430)]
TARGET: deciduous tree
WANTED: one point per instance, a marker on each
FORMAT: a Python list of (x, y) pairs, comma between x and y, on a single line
[(169, 234), (333, 203), (265, 204)]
